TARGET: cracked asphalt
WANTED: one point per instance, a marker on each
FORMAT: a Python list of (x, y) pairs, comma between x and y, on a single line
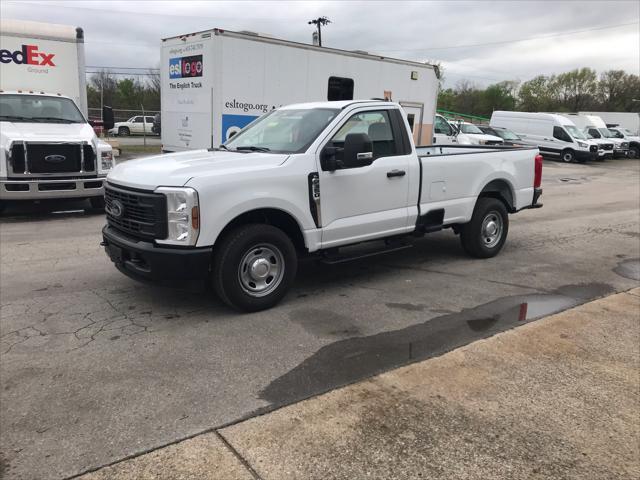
[(95, 368)]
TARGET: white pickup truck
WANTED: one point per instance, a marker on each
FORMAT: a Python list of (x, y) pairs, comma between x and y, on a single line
[(307, 179)]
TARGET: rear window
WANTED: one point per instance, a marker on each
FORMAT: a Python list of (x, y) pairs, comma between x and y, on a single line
[(340, 88)]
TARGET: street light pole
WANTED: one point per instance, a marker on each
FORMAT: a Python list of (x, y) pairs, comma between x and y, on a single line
[(318, 22)]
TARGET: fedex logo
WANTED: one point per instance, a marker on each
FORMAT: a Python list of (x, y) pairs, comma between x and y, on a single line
[(184, 67), (28, 55)]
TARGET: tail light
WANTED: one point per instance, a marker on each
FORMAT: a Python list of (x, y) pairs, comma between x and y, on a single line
[(537, 177)]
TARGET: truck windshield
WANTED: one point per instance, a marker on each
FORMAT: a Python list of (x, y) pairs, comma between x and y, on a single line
[(39, 108), (606, 133), (574, 132), (283, 131), (507, 134), (468, 128)]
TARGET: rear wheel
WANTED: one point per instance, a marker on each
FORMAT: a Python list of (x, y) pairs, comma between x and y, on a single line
[(254, 267), (485, 234), (568, 156), (123, 132)]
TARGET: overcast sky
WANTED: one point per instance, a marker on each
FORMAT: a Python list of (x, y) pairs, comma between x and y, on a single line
[(599, 34)]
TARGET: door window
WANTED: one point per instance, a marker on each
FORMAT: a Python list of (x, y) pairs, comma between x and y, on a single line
[(441, 126), (137, 120), (149, 119), (376, 125), (561, 134), (340, 88), (594, 133)]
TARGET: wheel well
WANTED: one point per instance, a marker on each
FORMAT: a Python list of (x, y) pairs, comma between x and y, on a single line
[(270, 216), (501, 190), (634, 144)]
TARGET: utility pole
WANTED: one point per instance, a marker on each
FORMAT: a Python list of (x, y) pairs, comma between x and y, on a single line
[(318, 22)]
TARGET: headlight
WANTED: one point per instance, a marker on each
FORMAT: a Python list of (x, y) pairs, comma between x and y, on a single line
[(106, 158), (582, 145), (183, 215), (481, 142)]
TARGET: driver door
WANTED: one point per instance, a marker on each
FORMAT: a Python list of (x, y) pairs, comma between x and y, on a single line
[(370, 201)]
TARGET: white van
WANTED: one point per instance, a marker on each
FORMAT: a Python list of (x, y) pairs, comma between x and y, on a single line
[(595, 127), (555, 135)]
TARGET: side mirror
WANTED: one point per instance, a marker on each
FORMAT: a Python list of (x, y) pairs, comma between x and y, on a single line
[(358, 150), (107, 117)]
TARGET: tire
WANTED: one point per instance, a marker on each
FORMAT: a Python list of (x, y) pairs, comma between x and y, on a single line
[(97, 203), (475, 234), (634, 152), (124, 132), (272, 254), (568, 156)]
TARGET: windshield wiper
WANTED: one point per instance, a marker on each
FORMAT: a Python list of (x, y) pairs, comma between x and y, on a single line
[(16, 117), (253, 148), (54, 119)]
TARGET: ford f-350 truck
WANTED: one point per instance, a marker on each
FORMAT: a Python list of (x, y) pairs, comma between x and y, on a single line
[(307, 179)]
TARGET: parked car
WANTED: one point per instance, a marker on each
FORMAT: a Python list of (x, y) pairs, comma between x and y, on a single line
[(156, 128), (625, 134), (507, 136), (555, 135), (134, 126), (307, 179), (475, 136)]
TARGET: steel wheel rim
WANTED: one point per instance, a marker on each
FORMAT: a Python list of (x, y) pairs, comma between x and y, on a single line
[(261, 270), (567, 157), (491, 230)]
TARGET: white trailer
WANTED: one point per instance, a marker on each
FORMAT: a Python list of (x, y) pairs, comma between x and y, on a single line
[(628, 120), (216, 82)]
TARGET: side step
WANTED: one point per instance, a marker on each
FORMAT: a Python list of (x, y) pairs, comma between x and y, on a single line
[(337, 258)]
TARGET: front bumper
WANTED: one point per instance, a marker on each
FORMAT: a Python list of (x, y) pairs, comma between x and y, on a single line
[(583, 156), (621, 152), (144, 261), (45, 189)]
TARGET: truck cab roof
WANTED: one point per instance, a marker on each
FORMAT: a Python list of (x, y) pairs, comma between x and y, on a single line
[(340, 105), (33, 92)]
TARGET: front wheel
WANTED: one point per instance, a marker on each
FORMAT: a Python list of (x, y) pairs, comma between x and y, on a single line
[(634, 152), (123, 132), (485, 234), (254, 267), (568, 156)]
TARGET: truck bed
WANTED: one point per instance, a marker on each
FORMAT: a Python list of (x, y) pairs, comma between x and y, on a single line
[(452, 177)]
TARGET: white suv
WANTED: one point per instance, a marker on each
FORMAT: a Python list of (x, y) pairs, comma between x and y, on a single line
[(134, 126)]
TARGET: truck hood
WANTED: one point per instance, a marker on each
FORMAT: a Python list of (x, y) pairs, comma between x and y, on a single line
[(176, 169), (45, 132)]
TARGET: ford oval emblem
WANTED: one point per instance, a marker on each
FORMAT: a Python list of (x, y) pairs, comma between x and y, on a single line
[(115, 209), (55, 158)]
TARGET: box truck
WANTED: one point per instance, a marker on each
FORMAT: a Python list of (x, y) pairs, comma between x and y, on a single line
[(47, 147), (216, 82)]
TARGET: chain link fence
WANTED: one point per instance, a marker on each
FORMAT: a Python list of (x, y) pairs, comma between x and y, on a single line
[(120, 115)]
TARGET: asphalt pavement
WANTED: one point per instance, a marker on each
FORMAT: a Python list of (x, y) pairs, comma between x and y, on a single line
[(96, 367)]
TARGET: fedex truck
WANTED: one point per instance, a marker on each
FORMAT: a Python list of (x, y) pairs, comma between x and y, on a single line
[(216, 82), (47, 147)]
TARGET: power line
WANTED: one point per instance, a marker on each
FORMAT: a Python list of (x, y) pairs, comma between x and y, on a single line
[(573, 32)]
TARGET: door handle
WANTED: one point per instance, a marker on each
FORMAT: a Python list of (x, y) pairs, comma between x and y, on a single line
[(396, 173)]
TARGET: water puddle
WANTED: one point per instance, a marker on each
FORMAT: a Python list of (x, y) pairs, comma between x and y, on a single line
[(629, 269), (352, 359)]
